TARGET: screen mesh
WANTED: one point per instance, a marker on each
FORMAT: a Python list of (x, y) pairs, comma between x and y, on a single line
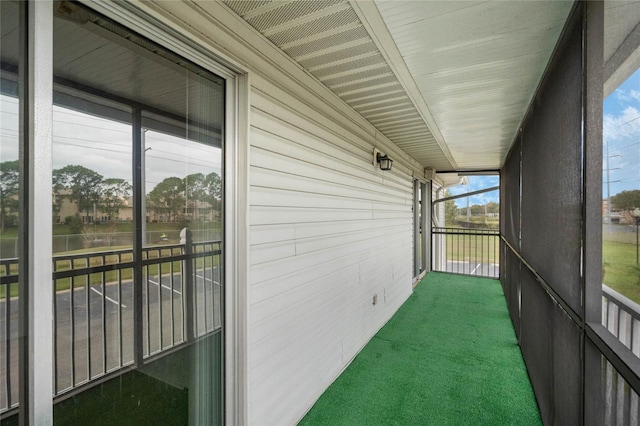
[(542, 221), (550, 343), (552, 172), (510, 190)]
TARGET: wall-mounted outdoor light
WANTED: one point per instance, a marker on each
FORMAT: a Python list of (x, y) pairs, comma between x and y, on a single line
[(382, 160)]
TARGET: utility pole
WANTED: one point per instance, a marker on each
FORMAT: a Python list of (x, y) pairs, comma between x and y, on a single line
[(607, 212), (468, 208), (607, 219), (143, 166)]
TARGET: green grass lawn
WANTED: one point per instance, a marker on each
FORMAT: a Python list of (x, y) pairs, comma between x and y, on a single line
[(491, 221), (473, 248), (619, 258), (11, 232), (621, 272)]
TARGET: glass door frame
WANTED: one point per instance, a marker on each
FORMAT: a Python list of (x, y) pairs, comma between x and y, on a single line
[(36, 376)]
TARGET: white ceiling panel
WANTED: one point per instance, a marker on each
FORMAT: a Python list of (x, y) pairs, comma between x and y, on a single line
[(448, 81), (328, 39), (476, 65), (621, 42)]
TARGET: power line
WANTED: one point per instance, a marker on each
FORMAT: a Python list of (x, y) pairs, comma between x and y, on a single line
[(625, 147), (93, 141), (627, 122), (90, 147)]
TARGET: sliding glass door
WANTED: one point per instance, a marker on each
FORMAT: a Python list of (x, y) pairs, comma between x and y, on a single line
[(136, 226)]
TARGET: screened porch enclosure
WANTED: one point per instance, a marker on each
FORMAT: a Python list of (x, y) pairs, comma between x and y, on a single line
[(193, 231)]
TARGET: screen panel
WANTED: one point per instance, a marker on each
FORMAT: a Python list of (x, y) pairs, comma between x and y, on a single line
[(567, 369), (535, 342), (510, 182), (552, 172), (550, 343), (511, 284)]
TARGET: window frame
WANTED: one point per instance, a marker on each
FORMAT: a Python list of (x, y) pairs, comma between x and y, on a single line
[(36, 403)]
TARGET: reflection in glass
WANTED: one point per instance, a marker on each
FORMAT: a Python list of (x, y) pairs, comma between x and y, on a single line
[(92, 227), (621, 177), (9, 213), (183, 195), (91, 179), (138, 243)]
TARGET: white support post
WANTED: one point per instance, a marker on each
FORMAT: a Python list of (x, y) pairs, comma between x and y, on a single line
[(416, 230), (426, 226), (36, 316), (235, 249)]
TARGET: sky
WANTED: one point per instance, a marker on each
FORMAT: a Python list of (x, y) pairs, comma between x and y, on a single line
[(105, 146), (476, 183), (621, 130)]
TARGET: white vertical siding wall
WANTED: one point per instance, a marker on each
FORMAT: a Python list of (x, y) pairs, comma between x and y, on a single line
[(327, 229)]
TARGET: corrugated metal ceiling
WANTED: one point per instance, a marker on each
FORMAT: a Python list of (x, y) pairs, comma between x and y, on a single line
[(477, 65), (621, 38), (474, 65), (328, 39)]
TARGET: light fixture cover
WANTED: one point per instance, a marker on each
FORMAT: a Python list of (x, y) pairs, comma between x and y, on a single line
[(385, 162), (429, 173)]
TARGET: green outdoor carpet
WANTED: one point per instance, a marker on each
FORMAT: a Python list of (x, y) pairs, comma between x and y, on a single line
[(449, 356)]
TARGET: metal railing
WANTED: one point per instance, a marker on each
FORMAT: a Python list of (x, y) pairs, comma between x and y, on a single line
[(466, 251), (8, 334), (94, 311), (621, 402), (621, 316)]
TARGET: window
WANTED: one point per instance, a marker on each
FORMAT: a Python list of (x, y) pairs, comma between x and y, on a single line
[(137, 134), (10, 201), (137, 219)]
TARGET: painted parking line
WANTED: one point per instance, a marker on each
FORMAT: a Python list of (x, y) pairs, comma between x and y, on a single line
[(476, 268), (208, 279), (108, 298), (204, 278), (164, 286)]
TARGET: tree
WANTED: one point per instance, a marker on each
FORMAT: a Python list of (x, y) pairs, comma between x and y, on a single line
[(113, 195), (168, 196), (626, 200), (477, 210), (194, 185), (203, 189), (450, 210), (9, 185), (213, 189), (493, 207), (79, 184)]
